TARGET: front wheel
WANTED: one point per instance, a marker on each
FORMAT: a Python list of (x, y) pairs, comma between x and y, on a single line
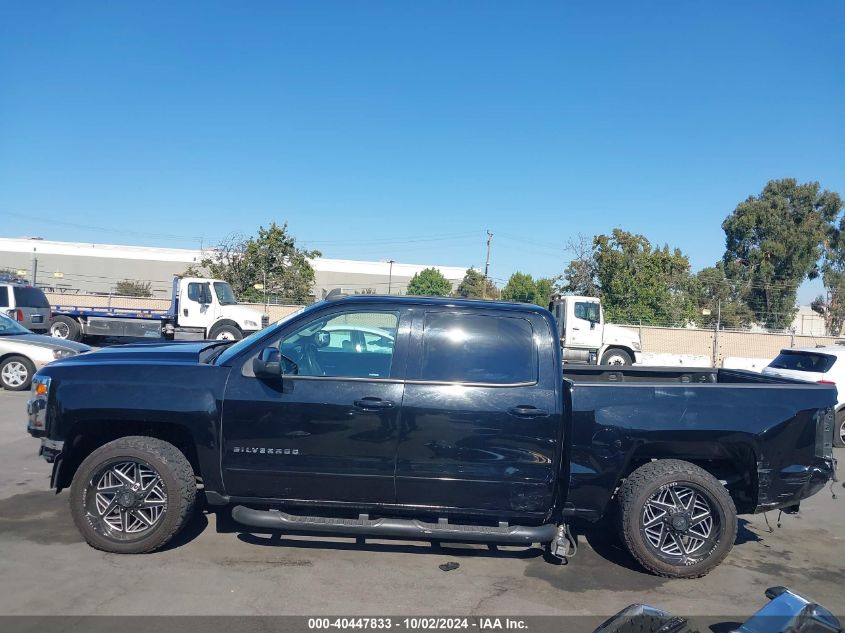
[(676, 519), (616, 357), (132, 495), (839, 429), (226, 332), (16, 373)]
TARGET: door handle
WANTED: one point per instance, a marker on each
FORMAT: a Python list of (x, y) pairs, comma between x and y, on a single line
[(373, 404), (527, 411), (577, 328)]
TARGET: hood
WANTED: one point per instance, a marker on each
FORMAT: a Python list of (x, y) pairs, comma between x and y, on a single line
[(239, 314), (621, 336), (183, 352), (48, 342)]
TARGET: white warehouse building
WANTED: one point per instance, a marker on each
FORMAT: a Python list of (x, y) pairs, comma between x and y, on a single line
[(76, 267)]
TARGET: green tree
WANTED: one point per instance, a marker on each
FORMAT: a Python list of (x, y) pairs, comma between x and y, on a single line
[(579, 278), (133, 288), (429, 282), (523, 288), (475, 286), (717, 294), (641, 283), (774, 241), (271, 259)]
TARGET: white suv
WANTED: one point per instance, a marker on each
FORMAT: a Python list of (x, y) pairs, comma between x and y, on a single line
[(816, 364)]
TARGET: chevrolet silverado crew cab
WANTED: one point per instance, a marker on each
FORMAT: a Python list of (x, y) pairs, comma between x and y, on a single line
[(424, 418)]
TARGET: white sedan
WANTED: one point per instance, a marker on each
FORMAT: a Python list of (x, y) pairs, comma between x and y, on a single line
[(22, 353), (816, 364)]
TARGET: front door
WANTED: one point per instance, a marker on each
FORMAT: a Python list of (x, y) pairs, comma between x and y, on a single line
[(196, 305), (584, 329), (480, 423), (329, 432)]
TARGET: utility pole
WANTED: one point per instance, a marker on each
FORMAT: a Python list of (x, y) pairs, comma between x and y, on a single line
[(487, 265), (390, 275), (34, 268)]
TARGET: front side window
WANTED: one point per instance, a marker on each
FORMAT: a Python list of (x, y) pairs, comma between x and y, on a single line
[(474, 348), (587, 311), (337, 345)]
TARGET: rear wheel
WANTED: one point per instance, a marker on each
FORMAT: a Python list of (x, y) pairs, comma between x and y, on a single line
[(839, 430), (65, 328), (676, 519), (16, 373), (615, 356), (132, 495)]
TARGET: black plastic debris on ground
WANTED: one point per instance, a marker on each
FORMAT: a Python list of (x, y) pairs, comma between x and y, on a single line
[(449, 566)]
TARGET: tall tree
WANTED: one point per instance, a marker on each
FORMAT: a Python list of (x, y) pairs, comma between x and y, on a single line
[(429, 282), (271, 259), (641, 283), (579, 278), (475, 286), (773, 242)]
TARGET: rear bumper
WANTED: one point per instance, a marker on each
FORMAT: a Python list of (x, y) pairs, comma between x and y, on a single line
[(793, 483)]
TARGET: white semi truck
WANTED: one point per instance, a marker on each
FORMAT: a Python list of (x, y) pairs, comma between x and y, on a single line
[(200, 308), (586, 339)]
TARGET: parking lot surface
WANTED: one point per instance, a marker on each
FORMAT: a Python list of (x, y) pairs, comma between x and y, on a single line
[(217, 568)]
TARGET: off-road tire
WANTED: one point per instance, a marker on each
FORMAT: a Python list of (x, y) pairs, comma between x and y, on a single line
[(839, 429), (232, 331), (620, 354), (21, 361), (653, 477), (175, 472), (68, 325)]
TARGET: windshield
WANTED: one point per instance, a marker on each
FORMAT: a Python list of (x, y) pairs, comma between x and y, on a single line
[(224, 293), (243, 344), (9, 327)]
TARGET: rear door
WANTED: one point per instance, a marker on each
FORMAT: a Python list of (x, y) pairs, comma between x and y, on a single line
[(480, 418)]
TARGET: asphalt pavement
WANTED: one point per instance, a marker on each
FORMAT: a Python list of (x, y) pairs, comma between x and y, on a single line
[(217, 568)]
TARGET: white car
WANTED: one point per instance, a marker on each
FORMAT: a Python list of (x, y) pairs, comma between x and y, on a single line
[(22, 353), (816, 364)]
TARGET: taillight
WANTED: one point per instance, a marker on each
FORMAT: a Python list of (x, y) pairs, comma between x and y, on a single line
[(825, 382), (17, 315)]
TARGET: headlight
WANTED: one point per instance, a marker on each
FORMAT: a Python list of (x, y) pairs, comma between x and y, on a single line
[(251, 324), (62, 353)]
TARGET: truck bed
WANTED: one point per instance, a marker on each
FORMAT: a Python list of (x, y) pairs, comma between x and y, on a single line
[(758, 433)]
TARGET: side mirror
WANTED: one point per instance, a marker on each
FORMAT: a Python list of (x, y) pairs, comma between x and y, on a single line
[(592, 325), (322, 338), (268, 364)]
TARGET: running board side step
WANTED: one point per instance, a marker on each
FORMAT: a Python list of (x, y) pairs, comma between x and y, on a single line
[(410, 529)]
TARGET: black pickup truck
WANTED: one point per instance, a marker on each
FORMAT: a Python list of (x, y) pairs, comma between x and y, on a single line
[(423, 418)]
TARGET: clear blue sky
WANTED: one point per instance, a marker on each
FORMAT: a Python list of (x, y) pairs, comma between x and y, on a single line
[(374, 128)]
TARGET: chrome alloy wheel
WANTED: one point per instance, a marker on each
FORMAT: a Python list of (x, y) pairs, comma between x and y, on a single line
[(842, 432), (678, 523), (15, 374), (125, 499)]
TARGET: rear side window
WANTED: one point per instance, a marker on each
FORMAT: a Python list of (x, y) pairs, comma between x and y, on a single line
[(4, 297), (27, 297), (803, 361), (478, 349)]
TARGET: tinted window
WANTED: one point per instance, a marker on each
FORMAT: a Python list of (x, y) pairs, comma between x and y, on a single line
[(338, 345), (478, 348), (4, 297), (803, 361), (27, 297), (587, 311)]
